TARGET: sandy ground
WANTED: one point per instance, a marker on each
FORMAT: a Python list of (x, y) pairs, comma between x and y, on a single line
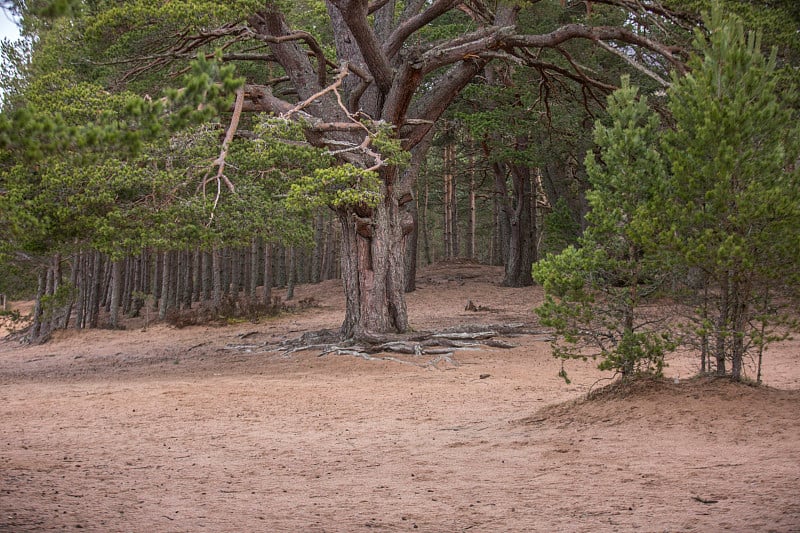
[(203, 429)]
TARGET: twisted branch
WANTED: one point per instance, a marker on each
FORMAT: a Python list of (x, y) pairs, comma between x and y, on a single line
[(219, 162)]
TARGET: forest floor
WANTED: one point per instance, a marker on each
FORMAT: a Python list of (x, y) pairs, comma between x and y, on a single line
[(211, 429)]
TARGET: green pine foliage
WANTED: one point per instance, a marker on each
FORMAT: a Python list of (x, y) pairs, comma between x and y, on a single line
[(84, 165), (735, 187), (704, 211), (96, 154), (94, 158), (83, 168), (561, 228), (339, 186), (595, 293)]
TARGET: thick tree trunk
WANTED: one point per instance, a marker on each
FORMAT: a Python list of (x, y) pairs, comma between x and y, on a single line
[(563, 181), (373, 269), (520, 244)]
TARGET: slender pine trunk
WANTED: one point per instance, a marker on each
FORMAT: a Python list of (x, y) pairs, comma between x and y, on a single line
[(268, 281), (216, 274), (116, 290)]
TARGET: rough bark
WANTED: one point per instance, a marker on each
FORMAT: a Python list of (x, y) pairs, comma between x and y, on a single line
[(373, 258), (520, 258)]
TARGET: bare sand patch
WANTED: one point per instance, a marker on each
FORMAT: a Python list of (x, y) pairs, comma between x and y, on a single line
[(170, 429)]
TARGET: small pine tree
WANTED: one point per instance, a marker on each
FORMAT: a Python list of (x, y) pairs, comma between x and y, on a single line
[(594, 293), (735, 201)]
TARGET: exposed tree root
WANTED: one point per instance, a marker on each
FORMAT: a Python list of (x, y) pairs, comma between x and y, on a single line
[(440, 346)]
